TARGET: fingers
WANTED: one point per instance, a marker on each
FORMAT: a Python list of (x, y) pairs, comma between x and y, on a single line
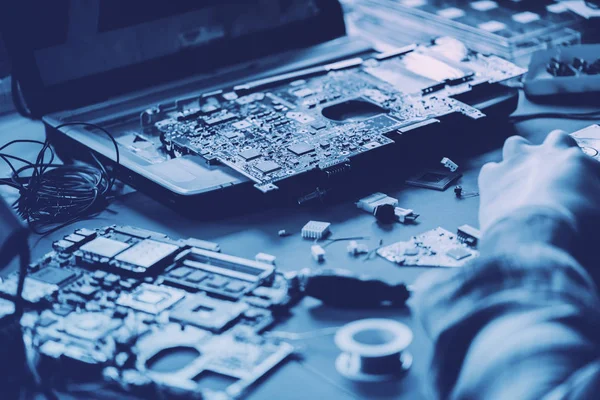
[(560, 139), (514, 146), (486, 173)]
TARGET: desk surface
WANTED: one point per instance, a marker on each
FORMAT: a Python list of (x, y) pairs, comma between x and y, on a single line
[(314, 377)]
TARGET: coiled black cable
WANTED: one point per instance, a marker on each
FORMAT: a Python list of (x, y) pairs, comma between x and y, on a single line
[(53, 195)]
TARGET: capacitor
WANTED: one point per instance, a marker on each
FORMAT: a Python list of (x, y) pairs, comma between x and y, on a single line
[(458, 191), (149, 116)]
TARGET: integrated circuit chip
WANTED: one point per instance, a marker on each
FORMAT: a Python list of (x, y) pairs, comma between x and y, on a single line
[(301, 148), (304, 92), (266, 167), (318, 125), (104, 247), (147, 253), (208, 313), (231, 134), (458, 253), (250, 154), (53, 275), (151, 299)]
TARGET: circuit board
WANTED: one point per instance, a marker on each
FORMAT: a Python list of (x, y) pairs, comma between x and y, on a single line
[(434, 248), (318, 119), (125, 306)]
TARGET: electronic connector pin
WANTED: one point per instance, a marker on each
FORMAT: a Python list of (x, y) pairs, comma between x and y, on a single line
[(448, 163)]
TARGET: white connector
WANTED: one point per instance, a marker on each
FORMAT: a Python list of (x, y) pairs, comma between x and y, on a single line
[(318, 253)]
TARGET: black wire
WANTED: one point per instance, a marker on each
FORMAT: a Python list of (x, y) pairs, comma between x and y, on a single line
[(588, 116), (24, 260), (107, 133), (17, 99), (53, 195)]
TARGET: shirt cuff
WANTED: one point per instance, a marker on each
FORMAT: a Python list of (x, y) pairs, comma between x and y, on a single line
[(529, 226)]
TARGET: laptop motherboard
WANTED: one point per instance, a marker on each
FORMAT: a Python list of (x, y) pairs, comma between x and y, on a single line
[(319, 118), (153, 316)]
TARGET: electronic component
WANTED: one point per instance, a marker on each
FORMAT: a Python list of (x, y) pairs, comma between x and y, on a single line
[(75, 238), (145, 255), (458, 253), (89, 325), (151, 299), (33, 290), (369, 203), (102, 248), (556, 73), (385, 213), (433, 179), (283, 233), (355, 249), (207, 313), (63, 246), (220, 274), (54, 275), (435, 248), (458, 191), (203, 244), (265, 258), (318, 253), (468, 235), (266, 167), (461, 194), (405, 216), (250, 154), (108, 324), (300, 149), (272, 136), (87, 233), (82, 337), (448, 163), (316, 230), (385, 209), (242, 357)]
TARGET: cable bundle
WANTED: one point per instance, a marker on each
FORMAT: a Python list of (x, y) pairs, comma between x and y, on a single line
[(54, 195)]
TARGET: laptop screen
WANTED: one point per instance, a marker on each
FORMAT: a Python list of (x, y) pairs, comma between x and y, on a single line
[(113, 33), (98, 48)]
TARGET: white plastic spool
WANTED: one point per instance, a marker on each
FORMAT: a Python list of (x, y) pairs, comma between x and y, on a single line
[(373, 350)]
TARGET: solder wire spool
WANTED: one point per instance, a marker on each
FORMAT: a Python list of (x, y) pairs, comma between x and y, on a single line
[(373, 350)]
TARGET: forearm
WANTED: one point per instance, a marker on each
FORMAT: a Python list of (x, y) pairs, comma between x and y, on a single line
[(525, 301)]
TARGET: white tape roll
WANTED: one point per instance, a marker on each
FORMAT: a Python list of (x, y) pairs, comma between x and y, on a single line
[(373, 350)]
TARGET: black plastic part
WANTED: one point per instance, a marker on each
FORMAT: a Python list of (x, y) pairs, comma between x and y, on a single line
[(385, 213), (341, 288)]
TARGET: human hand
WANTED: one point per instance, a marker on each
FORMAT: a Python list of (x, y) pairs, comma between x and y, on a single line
[(555, 175)]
